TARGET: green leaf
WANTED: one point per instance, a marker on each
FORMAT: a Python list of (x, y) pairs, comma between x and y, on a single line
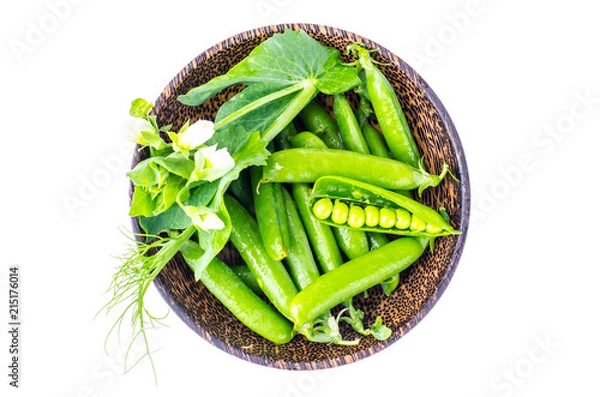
[(140, 108), (285, 58), (145, 173), (141, 202), (153, 139), (336, 77), (172, 219), (262, 117), (168, 193), (253, 151), (176, 163), (379, 330), (286, 63), (202, 195)]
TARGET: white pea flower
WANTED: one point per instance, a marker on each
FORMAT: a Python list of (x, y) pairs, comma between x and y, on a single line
[(212, 221), (133, 130), (204, 217), (193, 136), (211, 164)]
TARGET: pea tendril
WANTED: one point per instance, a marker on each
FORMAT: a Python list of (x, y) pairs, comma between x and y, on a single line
[(139, 267)]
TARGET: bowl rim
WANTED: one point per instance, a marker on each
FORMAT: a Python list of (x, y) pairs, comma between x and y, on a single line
[(462, 171)]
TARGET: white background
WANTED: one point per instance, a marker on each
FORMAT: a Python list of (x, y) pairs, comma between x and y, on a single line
[(520, 81)]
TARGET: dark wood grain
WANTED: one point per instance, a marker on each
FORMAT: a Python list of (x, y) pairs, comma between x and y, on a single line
[(421, 286)]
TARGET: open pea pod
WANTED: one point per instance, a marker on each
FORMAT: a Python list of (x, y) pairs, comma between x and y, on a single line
[(344, 202)]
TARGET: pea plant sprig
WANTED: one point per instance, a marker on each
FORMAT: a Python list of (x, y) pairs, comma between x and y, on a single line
[(177, 190)]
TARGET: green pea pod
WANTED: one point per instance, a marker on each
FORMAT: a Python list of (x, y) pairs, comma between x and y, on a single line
[(239, 299), (307, 139), (354, 277), (300, 260), (352, 136), (270, 215), (271, 274), (243, 272), (352, 242), (307, 165), (320, 235), (377, 240), (420, 221), (364, 110), (388, 110), (375, 141), (317, 120)]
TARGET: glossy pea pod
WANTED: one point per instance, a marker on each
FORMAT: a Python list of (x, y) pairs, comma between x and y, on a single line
[(379, 210), (243, 272), (387, 109), (307, 139), (377, 240), (320, 235), (354, 277), (318, 121), (300, 260), (272, 276), (348, 124), (241, 301), (375, 141), (270, 215), (307, 165)]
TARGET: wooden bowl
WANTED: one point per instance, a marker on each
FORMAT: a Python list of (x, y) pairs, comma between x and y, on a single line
[(421, 285)]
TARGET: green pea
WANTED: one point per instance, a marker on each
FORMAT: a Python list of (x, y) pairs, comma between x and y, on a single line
[(433, 229), (402, 218), (387, 218), (356, 216), (371, 216), (339, 214), (417, 223), (322, 208)]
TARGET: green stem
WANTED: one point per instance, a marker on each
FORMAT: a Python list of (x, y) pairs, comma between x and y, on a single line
[(258, 103), (168, 251), (308, 92)]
